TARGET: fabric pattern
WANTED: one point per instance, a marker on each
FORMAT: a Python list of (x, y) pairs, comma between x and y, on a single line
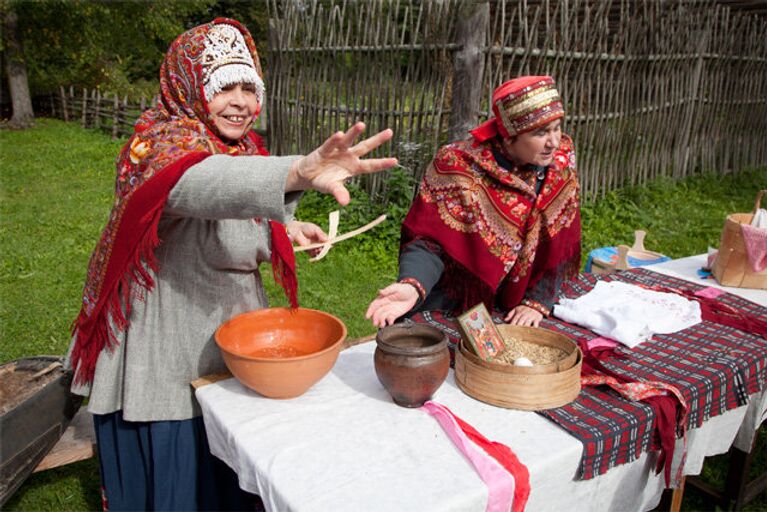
[(521, 105), (533, 105), (715, 367), (491, 226), (227, 60)]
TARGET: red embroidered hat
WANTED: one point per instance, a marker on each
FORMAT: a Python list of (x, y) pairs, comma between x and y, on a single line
[(521, 105)]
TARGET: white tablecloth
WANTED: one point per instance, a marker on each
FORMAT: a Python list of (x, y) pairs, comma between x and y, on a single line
[(344, 445)]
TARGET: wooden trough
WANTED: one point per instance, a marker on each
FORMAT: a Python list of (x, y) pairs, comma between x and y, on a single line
[(35, 409)]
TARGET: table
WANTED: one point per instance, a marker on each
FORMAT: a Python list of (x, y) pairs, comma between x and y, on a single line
[(345, 446), (686, 268), (737, 486)]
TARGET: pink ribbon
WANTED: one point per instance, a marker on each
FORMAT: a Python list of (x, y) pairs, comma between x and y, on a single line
[(710, 292), (600, 342), (500, 483)]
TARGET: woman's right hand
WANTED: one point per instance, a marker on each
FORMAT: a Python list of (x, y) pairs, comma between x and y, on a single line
[(327, 168), (391, 303)]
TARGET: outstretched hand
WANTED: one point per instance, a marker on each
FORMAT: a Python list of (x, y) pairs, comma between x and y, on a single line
[(327, 168), (391, 303)]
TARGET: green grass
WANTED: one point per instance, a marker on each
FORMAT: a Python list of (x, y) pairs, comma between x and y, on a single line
[(56, 183), (680, 218), (55, 197)]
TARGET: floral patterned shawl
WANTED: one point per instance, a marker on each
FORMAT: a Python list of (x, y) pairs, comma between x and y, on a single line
[(498, 238), (169, 138)]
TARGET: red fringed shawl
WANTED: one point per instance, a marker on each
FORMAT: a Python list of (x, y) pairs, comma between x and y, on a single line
[(169, 139), (492, 227)]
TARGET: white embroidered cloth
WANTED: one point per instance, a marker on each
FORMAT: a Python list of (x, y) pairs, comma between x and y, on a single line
[(627, 313)]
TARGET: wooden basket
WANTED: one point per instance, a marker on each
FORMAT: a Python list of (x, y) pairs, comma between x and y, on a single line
[(529, 388), (731, 267), (636, 251)]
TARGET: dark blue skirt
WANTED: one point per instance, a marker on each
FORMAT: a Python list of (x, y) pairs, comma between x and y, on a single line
[(164, 465)]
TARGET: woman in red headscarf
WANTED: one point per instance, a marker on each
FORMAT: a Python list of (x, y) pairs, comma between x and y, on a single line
[(198, 206), (496, 219)]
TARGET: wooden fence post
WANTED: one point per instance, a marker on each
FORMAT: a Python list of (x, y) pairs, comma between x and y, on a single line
[(124, 113), (97, 114), (468, 67), (71, 101), (64, 103), (84, 121), (115, 116)]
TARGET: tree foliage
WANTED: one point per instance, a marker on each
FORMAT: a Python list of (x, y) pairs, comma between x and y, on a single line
[(115, 45)]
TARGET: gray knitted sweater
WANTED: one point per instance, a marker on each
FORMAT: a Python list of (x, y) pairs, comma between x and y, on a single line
[(208, 272)]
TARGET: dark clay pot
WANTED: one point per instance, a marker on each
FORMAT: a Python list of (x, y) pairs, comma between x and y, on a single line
[(411, 361)]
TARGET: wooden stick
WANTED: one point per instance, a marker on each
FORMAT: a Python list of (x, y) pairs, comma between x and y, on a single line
[(332, 231), (343, 237), (210, 379), (47, 369)]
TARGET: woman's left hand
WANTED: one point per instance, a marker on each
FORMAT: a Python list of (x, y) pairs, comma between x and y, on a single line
[(525, 316), (306, 233)]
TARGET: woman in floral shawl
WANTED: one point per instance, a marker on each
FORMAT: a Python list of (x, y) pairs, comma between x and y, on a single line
[(198, 206), (496, 219)]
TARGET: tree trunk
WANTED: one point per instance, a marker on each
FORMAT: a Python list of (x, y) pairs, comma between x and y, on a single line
[(16, 69)]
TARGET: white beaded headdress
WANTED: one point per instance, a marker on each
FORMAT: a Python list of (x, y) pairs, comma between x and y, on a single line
[(226, 60)]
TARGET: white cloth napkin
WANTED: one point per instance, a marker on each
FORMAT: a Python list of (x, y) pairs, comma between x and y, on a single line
[(627, 313), (760, 218)]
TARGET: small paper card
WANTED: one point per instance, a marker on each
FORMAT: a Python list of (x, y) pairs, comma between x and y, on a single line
[(480, 334)]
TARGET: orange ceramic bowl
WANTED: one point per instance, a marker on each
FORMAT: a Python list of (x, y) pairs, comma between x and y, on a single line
[(279, 352)]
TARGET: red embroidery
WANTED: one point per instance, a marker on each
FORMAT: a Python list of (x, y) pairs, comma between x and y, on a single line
[(489, 220)]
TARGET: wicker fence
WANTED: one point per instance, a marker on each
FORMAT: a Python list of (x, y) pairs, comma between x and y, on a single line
[(387, 63), (652, 87), (103, 111)]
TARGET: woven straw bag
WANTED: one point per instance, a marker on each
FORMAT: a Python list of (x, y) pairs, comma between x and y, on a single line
[(731, 267)]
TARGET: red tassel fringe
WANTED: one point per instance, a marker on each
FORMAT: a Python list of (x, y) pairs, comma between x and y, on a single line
[(93, 332), (284, 262)]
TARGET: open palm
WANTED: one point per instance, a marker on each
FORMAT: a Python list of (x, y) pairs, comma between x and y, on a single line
[(328, 167), (391, 303)]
